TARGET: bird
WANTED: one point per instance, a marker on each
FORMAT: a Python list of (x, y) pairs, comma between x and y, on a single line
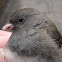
[(35, 38)]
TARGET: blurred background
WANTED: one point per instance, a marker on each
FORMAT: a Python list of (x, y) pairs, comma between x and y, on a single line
[(52, 8)]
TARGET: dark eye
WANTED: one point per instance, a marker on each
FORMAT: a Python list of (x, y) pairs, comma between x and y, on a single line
[(20, 20)]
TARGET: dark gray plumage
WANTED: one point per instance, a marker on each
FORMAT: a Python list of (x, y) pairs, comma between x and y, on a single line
[(35, 38)]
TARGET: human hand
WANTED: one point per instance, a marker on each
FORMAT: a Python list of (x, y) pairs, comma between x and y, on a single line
[(4, 37)]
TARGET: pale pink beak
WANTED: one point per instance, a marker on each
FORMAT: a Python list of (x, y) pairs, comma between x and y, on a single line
[(8, 26)]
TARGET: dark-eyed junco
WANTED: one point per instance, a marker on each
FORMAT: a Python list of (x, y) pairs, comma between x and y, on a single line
[(35, 38)]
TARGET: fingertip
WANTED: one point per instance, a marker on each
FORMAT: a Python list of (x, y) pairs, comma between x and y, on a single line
[(4, 37)]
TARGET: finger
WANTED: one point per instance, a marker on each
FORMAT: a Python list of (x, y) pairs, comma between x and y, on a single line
[(4, 37)]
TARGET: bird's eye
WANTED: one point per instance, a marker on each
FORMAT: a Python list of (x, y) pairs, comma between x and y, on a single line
[(21, 20)]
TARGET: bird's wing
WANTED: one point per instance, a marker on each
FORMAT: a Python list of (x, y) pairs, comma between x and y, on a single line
[(54, 33)]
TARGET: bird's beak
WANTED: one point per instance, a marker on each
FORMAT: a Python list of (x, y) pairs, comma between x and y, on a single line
[(8, 26)]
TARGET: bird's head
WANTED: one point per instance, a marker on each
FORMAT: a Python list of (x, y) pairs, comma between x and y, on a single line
[(21, 18)]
